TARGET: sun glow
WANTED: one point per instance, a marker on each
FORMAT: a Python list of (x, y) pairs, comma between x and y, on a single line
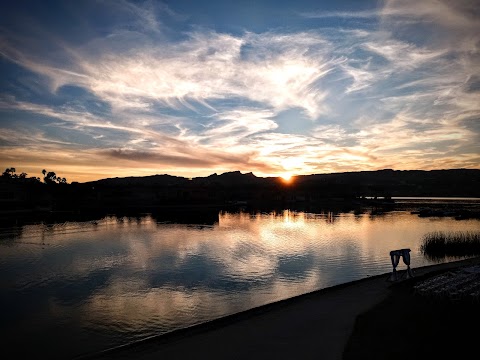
[(286, 177)]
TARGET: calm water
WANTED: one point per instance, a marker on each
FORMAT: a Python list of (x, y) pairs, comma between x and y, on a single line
[(75, 288)]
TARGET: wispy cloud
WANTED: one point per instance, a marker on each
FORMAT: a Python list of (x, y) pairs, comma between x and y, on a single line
[(362, 14), (279, 70), (462, 14), (402, 55)]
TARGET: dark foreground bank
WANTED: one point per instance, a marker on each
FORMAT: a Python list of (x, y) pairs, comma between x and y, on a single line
[(367, 319), (435, 323)]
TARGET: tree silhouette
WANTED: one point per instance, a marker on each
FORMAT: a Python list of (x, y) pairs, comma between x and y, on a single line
[(9, 173), (51, 178)]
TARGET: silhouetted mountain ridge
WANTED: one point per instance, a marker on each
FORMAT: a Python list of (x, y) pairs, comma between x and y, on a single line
[(449, 182), (151, 180), (399, 182)]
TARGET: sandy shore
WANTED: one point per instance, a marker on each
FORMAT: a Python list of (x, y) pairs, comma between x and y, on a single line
[(319, 325)]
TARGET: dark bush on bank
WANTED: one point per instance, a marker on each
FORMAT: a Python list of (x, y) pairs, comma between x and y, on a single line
[(439, 244)]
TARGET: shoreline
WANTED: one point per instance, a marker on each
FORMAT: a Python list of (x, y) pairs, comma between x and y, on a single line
[(286, 328), (457, 208)]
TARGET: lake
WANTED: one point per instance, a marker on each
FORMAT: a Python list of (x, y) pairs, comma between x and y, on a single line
[(74, 288)]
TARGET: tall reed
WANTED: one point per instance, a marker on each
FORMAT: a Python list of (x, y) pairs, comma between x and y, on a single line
[(440, 244)]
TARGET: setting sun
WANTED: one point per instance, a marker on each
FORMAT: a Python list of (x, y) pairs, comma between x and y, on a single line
[(286, 177)]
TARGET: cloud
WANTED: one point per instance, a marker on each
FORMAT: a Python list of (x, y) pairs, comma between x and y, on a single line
[(143, 13), (405, 140), (462, 14), (362, 14), (278, 70), (234, 127), (361, 77), (402, 55), (472, 85), (195, 158)]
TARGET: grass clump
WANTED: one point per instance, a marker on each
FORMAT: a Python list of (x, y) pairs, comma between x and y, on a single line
[(439, 244)]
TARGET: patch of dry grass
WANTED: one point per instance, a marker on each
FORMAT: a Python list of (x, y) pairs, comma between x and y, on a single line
[(440, 244)]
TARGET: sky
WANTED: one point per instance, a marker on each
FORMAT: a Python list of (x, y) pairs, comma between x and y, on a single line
[(99, 89)]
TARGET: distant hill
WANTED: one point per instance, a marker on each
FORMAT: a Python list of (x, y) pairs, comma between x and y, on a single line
[(449, 183), (152, 180), (232, 178)]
